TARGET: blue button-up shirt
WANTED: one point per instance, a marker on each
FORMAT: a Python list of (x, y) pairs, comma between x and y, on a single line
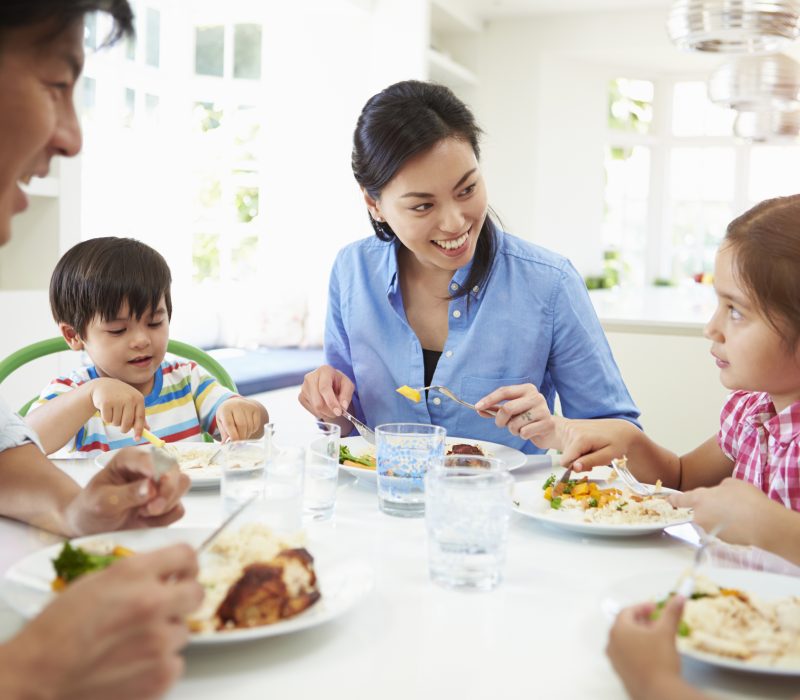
[(532, 321)]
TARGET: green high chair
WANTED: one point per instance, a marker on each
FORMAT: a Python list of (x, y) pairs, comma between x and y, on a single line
[(53, 345)]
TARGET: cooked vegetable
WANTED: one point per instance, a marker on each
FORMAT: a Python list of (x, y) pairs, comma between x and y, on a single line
[(549, 482), (347, 457), (409, 393), (73, 562)]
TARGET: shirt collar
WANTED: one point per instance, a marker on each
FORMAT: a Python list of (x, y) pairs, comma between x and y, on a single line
[(784, 426)]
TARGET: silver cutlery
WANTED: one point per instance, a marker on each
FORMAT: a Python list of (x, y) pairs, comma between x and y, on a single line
[(363, 430), (450, 395), (208, 540)]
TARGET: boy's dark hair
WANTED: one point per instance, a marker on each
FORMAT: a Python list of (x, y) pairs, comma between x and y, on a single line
[(15, 14), (766, 246), (95, 277), (404, 120)]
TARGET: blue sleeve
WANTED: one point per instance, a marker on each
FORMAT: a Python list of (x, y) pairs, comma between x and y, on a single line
[(583, 370)]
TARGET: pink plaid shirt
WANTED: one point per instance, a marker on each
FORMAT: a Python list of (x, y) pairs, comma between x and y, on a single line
[(764, 445)]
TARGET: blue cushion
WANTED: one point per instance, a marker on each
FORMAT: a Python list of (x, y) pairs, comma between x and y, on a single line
[(265, 369)]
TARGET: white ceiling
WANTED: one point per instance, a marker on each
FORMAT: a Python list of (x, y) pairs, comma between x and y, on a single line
[(486, 9)]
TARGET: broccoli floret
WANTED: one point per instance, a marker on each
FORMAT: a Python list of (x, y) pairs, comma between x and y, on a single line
[(73, 562), (345, 454), (592, 503), (555, 503), (549, 482)]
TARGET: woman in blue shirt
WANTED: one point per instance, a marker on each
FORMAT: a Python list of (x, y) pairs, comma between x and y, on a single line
[(440, 295)]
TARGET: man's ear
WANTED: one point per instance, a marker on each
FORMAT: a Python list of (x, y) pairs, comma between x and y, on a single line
[(372, 205), (71, 336)]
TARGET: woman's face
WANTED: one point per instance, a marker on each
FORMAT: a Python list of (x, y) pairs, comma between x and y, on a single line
[(37, 119), (436, 205)]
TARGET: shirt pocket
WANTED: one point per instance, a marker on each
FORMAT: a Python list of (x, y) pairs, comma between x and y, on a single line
[(471, 424)]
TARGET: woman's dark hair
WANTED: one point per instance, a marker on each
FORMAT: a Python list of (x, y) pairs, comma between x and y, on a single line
[(765, 241), (404, 120), (15, 14), (95, 277)]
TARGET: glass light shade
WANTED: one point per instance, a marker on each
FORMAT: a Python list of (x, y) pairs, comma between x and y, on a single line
[(734, 26), (768, 127), (756, 83)]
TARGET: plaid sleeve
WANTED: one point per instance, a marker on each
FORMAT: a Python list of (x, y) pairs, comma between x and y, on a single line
[(207, 394), (730, 422)]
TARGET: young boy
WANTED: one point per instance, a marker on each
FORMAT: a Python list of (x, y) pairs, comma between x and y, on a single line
[(111, 297)]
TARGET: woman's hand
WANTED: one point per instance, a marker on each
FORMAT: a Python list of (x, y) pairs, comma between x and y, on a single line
[(125, 494), (112, 634), (523, 411), (642, 651), (589, 443), (325, 392)]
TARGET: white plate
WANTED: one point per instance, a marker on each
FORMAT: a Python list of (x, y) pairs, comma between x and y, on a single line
[(529, 501), (656, 585), (202, 477), (342, 581), (511, 457)]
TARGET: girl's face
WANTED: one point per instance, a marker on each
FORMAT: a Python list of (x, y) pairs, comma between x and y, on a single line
[(436, 205), (749, 352), (37, 120)]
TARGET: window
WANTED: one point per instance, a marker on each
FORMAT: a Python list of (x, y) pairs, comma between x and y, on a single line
[(153, 38), (675, 178), (247, 51), (209, 50)]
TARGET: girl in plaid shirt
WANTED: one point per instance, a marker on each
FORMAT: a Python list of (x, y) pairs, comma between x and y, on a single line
[(755, 341)]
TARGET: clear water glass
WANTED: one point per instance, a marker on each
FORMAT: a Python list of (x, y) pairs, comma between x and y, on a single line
[(244, 464), (283, 490), (322, 472), (468, 508), (405, 452)]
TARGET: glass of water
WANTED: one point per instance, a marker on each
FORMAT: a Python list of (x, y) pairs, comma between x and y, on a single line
[(244, 464), (468, 508), (283, 490), (322, 471), (405, 452)]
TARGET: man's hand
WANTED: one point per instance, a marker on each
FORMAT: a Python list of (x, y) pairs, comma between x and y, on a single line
[(126, 495)]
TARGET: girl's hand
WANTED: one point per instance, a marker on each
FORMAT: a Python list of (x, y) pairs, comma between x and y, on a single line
[(524, 413), (642, 650), (240, 419), (325, 392), (588, 443), (119, 404)]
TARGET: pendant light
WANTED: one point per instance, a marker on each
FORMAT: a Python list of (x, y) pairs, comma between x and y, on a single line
[(756, 83), (734, 26), (768, 127)]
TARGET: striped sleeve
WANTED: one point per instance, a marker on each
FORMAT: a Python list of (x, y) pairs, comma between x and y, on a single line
[(207, 394), (60, 385)]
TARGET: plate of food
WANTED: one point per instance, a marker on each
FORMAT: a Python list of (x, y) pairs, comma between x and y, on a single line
[(600, 505), (736, 618), (244, 573), (200, 461), (357, 456)]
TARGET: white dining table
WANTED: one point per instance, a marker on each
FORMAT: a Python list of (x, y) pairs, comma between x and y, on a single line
[(540, 634)]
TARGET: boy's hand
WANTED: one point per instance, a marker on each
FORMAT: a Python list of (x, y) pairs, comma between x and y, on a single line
[(240, 419), (119, 404)]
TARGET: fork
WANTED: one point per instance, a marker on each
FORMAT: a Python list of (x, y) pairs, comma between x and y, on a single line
[(363, 430), (636, 486), (450, 395)]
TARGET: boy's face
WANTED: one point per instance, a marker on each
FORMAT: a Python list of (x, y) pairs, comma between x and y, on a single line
[(37, 115), (748, 351), (125, 348)]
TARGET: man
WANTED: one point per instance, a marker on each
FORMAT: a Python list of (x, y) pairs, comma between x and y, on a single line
[(116, 633)]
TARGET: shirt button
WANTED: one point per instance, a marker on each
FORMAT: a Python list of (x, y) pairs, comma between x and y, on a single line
[(437, 401), (454, 287), (456, 314), (476, 289), (449, 353)]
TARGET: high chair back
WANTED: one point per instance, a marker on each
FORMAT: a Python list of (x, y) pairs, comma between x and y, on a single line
[(53, 345)]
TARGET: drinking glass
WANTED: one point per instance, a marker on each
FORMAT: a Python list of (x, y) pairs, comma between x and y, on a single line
[(405, 452), (322, 472), (244, 464), (468, 508), (283, 490)]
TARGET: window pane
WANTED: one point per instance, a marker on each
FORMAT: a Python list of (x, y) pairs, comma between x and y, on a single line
[(630, 105), (205, 256), (247, 51), (90, 31), (209, 50), (153, 37), (702, 193), (625, 222), (247, 204), (693, 114), (151, 106), (129, 108), (774, 172), (207, 116), (89, 91)]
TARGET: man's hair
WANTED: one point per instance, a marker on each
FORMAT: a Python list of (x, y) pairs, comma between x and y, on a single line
[(15, 14), (765, 241), (96, 277)]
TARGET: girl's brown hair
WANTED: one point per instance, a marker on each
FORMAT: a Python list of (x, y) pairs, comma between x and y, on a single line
[(765, 241)]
